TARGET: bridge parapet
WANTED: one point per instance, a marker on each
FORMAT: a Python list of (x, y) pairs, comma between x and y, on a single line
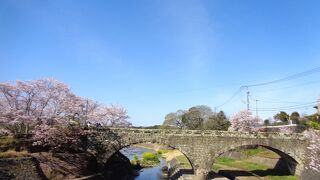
[(213, 133)]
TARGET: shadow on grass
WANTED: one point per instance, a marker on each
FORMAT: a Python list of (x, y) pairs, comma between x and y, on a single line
[(232, 174)]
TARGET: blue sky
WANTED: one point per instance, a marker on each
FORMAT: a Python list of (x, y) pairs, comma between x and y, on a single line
[(155, 57)]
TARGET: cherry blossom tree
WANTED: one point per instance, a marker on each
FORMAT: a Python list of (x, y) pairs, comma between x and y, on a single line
[(27, 104), (114, 116), (60, 138), (244, 121)]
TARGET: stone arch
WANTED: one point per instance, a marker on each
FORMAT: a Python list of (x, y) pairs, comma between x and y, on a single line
[(294, 163), (154, 142)]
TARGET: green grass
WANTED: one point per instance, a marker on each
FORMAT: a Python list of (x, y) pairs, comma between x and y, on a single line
[(216, 167), (163, 151), (314, 124), (247, 166), (241, 164), (184, 162), (135, 161), (149, 159), (150, 156), (225, 161), (268, 154), (282, 178), (7, 140), (260, 151), (250, 166), (253, 152), (13, 154)]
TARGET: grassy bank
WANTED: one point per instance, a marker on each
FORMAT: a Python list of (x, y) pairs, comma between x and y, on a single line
[(239, 164), (9, 148), (261, 152), (13, 154), (181, 159), (226, 163), (149, 159)]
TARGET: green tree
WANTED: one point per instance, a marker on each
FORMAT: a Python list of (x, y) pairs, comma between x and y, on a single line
[(205, 111), (169, 119), (193, 119), (266, 122), (295, 117), (282, 116), (174, 119), (217, 121)]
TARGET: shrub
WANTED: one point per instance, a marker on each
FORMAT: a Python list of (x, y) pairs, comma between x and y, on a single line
[(135, 157), (314, 124), (150, 157), (135, 161)]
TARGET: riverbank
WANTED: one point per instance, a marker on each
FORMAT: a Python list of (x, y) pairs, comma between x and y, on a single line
[(172, 163), (155, 171), (253, 163), (149, 159), (176, 155), (167, 153)]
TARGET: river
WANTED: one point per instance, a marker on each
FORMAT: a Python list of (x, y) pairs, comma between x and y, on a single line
[(153, 173)]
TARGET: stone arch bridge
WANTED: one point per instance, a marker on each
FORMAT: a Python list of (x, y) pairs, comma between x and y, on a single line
[(202, 147)]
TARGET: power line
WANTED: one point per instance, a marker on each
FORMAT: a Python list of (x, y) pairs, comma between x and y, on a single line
[(279, 102), (294, 76), (281, 107), (277, 110), (289, 107), (290, 87), (231, 98), (271, 100)]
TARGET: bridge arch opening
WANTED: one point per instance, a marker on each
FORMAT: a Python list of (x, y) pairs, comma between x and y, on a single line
[(173, 162), (254, 161)]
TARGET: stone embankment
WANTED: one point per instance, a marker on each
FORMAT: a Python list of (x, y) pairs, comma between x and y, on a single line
[(175, 171)]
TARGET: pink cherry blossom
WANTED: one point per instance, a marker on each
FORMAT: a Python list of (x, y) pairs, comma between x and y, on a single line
[(244, 121), (50, 102)]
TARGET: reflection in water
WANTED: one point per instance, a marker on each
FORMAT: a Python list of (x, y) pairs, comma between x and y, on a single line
[(153, 173)]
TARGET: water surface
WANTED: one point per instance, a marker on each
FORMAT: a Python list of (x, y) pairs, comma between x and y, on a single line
[(153, 173)]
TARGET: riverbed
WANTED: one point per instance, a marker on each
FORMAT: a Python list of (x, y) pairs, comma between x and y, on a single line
[(153, 173)]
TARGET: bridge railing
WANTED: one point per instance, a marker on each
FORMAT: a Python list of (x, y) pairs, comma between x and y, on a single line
[(180, 132)]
